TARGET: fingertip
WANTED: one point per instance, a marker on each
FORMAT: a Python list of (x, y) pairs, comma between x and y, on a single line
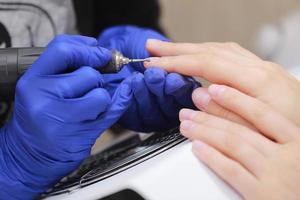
[(100, 95), (175, 82), (152, 61), (186, 126), (201, 98), (156, 43), (187, 114), (98, 101), (152, 43), (137, 79), (155, 75)]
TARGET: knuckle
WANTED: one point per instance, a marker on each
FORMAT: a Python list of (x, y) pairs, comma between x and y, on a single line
[(224, 113), (230, 170), (61, 48), (91, 73), (261, 75), (154, 74), (190, 46), (204, 58), (266, 72), (65, 90), (232, 45), (232, 143), (271, 67), (59, 38), (260, 112)]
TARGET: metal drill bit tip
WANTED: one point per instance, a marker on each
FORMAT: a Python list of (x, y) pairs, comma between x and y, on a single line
[(139, 60)]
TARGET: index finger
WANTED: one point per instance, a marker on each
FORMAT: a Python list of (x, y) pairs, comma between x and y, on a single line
[(64, 54), (208, 66), (163, 48)]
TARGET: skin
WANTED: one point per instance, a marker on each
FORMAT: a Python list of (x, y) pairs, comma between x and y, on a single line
[(231, 65), (262, 164), (254, 148)]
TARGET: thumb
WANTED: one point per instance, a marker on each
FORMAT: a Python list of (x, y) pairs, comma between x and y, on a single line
[(86, 108), (120, 103)]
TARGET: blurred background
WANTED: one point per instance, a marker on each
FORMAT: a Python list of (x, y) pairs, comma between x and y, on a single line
[(215, 20)]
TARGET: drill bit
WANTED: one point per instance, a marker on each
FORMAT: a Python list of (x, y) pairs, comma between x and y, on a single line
[(139, 60)]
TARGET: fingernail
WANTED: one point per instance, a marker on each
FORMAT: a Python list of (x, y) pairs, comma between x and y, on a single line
[(216, 90), (185, 126), (152, 62), (201, 98), (187, 114), (153, 41), (198, 146)]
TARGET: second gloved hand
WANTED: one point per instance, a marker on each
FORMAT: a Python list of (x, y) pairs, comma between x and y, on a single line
[(158, 96)]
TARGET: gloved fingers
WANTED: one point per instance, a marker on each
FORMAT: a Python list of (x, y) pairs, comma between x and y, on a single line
[(86, 108), (90, 41), (120, 103), (111, 37), (78, 83), (155, 79), (131, 119), (148, 108), (131, 41), (180, 88), (65, 56), (112, 81)]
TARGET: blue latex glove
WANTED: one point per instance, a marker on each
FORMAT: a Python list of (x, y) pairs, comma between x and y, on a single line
[(57, 116), (158, 96)]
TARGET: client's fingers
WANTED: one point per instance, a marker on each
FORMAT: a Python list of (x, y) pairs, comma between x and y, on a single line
[(229, 170), (162, 48), (229, 143), (211, 67), (258, 141), (263, 117), (203, 101)]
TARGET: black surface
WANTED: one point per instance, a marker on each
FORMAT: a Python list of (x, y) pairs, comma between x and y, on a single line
[(124, 195), (117, 159)]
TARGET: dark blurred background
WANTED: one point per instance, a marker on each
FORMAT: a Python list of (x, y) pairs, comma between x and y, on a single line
[(93, 16)]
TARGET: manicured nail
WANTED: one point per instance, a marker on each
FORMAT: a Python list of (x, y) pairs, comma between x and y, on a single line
[(201, 98), (151, 62), (216, 90), (198, 146), (187, 114), (153, 41), (186, 125)]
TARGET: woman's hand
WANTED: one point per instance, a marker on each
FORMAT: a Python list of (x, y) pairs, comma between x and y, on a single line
[(263, 164), (158, 96), (231, 65)]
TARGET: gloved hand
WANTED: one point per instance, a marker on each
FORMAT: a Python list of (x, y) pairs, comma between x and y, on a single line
[(158, 96), (57, 116)]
